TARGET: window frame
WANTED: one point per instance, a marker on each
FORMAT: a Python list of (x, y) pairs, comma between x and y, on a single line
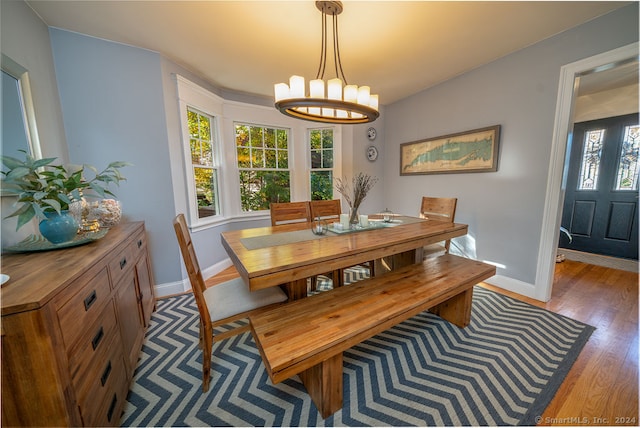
[(215, 162), (311, 169), (289, 149), (191, 96)]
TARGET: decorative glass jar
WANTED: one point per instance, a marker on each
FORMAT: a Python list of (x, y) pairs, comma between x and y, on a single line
[(387, 215), (319, 226)]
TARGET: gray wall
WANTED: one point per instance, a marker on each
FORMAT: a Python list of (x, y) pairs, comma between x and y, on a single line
[(25, 39), (113, 108), (504, 209)]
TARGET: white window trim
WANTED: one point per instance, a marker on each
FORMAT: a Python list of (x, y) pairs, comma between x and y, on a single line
[(226, 113), (192, 95)]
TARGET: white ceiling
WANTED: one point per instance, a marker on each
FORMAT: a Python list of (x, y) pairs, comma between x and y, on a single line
[(397, 47)]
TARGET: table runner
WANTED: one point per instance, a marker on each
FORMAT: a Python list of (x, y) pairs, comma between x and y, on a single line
[(275, 239), (264, 241)]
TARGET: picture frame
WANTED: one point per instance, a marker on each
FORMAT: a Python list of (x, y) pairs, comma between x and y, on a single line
[(470, 151)]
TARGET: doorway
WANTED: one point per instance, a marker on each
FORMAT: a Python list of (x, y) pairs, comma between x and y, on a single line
[(601, 199), (564, 119)]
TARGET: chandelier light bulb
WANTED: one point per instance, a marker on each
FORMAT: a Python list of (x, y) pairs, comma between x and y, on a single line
[(334, 89)]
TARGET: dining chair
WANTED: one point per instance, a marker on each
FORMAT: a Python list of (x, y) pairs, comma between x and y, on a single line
[(289, 212), (443, 209), (330, 210), (326, 209), (221, 303)]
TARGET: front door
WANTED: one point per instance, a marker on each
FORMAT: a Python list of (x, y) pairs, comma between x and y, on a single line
[(601, 199)]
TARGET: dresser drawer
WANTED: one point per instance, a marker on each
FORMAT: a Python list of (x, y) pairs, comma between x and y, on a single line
[(139, 244), (84, 307), (91, 351), (122, 263), (103, 403)]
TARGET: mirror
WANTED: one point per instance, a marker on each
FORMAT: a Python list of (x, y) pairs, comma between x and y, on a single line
[(19, 130)]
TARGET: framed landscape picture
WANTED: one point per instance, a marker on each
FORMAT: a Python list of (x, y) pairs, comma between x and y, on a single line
[(470, 151)]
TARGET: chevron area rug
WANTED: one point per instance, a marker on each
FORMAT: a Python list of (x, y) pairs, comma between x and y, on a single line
[(503, 369)]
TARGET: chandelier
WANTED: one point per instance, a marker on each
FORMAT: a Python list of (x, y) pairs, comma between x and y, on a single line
[(343, 103)]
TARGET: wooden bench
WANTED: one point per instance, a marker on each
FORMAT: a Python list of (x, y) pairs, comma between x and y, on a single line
[(307, 337)]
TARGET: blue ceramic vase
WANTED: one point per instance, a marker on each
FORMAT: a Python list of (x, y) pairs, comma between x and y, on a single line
[(59, 228)]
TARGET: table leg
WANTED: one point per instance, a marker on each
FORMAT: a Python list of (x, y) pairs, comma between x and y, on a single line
[(456, 310), (324, 384), (297, 289), (396, 261)]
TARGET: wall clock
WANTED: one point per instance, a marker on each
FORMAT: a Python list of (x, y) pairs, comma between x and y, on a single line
[(372, 153), (372, 133)]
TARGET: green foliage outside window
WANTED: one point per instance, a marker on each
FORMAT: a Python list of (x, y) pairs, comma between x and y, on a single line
[(321, 185), (259, 188), (205, 177), (263, 160), (321, 176)]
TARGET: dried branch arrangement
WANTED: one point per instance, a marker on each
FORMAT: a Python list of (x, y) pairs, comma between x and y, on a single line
[(362, 183)]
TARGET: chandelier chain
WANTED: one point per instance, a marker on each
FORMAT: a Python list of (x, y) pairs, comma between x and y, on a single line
[(336, 51), (323, 48)]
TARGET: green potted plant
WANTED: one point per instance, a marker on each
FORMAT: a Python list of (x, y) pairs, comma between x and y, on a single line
[(45, 191)]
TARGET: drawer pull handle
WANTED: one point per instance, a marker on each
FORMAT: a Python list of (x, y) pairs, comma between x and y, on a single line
[(97, 338), (106, 373), (139, 243), (112, 407), (123, 263), (90, 300)]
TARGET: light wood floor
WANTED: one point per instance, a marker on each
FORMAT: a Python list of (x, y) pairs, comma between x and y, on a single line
[(602, 386)]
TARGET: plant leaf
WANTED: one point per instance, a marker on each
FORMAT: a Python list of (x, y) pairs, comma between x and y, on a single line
[(25, 216)]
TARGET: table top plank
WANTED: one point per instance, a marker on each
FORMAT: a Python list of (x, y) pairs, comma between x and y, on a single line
[(273, 265)]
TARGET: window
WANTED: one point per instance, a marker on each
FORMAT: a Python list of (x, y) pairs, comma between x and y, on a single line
[(590, 165), (203, 160), (322, 163), (627, 173), (263, 165), (236, 158), (197, 179)]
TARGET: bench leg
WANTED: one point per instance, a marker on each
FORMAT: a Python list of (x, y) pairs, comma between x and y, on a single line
[(456, 310), (324, 384)]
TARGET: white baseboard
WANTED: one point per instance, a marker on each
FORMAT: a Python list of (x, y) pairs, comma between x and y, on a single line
[(516, 286), (597, 259), (179, 287), (171, 288)]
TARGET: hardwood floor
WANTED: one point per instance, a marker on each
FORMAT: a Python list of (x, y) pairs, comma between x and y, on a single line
[(602, 386)]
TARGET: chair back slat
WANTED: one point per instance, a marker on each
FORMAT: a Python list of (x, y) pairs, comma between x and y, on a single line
[(438, 208), (193, 267), (289, 212), (326, 210), (443, 209)]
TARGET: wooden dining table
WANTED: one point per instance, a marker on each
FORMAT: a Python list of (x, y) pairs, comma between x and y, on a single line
[(290, 254)]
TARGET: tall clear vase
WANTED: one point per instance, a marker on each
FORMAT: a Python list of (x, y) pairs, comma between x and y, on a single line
[(354, 218)]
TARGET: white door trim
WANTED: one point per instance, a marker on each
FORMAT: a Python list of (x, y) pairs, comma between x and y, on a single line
[(555, 180)]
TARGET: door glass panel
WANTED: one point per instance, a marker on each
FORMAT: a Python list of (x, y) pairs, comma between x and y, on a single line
[(627, 175), (590, 166)]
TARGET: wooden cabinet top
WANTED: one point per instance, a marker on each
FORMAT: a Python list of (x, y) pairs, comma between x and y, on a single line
[(35, 278)]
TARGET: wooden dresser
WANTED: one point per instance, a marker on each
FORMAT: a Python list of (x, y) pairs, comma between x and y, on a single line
[(73, 324)]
